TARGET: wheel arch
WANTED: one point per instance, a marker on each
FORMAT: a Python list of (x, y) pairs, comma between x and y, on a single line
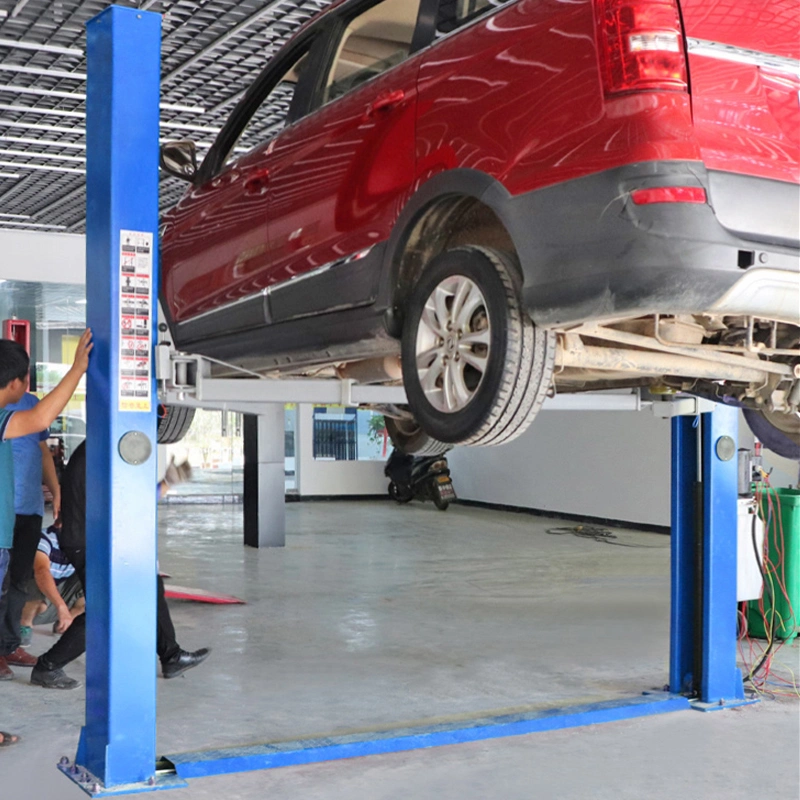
[(453, 208)]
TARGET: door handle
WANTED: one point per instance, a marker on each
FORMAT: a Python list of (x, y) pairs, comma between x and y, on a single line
[(386, 102), (257, 183)]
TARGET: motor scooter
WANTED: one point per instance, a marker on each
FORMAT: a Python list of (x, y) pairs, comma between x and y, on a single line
[(419, 478)]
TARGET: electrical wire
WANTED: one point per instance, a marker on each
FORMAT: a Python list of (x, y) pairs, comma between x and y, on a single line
[(764, 676), (597, 534), (770, 630)]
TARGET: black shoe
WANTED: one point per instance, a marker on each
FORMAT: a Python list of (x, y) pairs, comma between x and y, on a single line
[(178, 664), (53, 678)]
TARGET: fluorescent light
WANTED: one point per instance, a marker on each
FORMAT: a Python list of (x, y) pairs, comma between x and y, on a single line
[(16, 216), (18, 44), (40, 156), (41, 168), (33, 225), (9, 87), (55, 112), (190, 109), (9, 175), (180, 126), (8, 123), (52, 73), (42, 142)]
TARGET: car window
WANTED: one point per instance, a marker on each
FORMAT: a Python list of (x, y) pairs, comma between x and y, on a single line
[(372, 43), (272, 115), (454, 13)]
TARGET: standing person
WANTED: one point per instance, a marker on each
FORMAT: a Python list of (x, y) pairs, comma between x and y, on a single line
[(14, 365), (49, 670), (33, 463)]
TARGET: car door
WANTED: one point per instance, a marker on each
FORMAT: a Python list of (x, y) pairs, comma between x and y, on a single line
[(216, 246), (339, 179)]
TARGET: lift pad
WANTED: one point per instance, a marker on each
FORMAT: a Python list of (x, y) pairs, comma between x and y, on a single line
[(200, 595)]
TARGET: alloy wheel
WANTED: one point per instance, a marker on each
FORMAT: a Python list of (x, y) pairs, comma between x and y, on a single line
[(453, 342)]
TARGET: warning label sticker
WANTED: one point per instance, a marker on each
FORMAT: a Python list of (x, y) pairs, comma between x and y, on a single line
[(135, 320)]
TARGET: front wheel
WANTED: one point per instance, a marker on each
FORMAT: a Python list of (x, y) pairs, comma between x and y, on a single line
[(397, 494), (777, 431), (475, 368), (173, 423)]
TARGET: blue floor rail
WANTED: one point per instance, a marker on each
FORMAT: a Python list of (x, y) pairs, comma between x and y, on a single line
[(308, 751)]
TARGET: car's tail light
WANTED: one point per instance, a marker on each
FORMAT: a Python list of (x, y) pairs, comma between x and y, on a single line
[(669, 194), (641, 45)]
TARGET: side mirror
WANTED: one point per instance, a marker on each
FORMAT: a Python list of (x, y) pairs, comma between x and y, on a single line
[(179, 159)]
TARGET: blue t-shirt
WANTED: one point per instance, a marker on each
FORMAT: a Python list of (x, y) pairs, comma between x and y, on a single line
[(28, 497), (6, 484)]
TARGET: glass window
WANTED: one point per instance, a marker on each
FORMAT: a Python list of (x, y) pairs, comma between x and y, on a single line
[(272, 115), (454, 13), (214, 448), (373, 42), (57, 314), (349, 434)]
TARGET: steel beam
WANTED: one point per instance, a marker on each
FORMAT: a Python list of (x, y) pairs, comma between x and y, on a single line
[(721, 680), (331, 748), (117, 744), (703, 543), (264, 478), (683, 549)]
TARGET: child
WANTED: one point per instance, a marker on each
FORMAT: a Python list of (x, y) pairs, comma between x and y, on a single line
[(14, 366)]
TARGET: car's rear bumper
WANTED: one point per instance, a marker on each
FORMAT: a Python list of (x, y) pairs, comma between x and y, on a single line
[(589, 253)]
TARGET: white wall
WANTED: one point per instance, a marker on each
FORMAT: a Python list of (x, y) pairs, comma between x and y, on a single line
[(42, 257), (331, 477), (609, 464)]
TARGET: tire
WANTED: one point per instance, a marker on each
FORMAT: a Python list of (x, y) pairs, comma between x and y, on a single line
[(441, 504), (504, 374), (396, 494), (409, 438), (173, 423), (778, 432)]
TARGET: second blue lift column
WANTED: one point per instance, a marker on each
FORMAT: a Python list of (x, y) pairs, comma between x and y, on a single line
[(122, 122)]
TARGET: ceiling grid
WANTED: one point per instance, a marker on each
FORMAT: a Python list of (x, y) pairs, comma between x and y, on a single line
[(211, 52)]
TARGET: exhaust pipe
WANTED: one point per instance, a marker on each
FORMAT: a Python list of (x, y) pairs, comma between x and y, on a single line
[(372, 370)]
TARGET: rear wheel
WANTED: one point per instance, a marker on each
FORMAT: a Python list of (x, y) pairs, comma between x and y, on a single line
[(173, 423), (778, 432), (475, 368), (409, 438), (439, 501)]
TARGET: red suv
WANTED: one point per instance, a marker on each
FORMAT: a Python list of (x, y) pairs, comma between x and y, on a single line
[(506, 199)]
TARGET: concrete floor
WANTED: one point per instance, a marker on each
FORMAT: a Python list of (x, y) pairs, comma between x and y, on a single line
[(376, 615)]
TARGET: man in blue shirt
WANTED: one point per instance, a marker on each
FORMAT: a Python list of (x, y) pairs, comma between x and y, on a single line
[(33, 462), (14, 365)]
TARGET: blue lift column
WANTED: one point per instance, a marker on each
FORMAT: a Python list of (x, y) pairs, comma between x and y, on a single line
[(117, 743), (704, 493)]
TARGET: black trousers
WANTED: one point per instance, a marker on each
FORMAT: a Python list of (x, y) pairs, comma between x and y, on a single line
[(27, 532), (73, 642)]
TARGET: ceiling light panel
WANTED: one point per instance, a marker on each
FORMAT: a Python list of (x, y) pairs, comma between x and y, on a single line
[(211, 52)]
